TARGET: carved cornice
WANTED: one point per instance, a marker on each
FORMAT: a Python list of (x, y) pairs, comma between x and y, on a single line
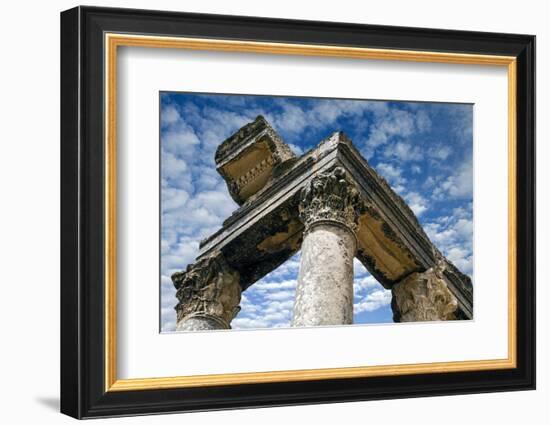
[(246, 135), (330, 197), (246, 160), (208, 287), (424, 297), (252, 174)]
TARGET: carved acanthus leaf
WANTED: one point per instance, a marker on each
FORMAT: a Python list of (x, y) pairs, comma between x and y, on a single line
[(208, 287), (332, 197), (423, 297)]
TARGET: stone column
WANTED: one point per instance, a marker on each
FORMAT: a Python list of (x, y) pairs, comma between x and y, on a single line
[(329, 209), (423, 297), (209, 294)]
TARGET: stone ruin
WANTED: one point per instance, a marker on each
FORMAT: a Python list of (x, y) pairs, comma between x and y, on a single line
[(334, 207)]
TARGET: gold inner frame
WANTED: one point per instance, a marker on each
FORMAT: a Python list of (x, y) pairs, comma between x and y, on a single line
[(113, 41)]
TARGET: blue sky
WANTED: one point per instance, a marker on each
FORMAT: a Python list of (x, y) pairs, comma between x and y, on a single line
[(424, 150)]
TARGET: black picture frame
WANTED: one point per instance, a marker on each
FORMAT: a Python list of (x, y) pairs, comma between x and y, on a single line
[(83, 392)]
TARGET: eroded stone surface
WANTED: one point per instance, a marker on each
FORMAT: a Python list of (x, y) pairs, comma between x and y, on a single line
[(382, 253), (248, 158), (423, 297), (324, 292), (209, 294), (201, 322)]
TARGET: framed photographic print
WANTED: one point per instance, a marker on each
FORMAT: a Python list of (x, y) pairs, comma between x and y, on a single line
[(261, 212)]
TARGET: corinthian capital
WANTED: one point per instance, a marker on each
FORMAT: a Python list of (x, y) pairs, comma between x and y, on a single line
[(208, 289), (423, 297), (330, 197)]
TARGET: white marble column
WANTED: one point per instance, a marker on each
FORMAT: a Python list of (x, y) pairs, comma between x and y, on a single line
[(423, 297), (209, 294), (329, 209)]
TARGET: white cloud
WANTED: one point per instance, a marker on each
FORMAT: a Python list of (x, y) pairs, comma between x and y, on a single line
[(439, 234), (458, 185), (395, 123), (264, 285), (359, 269), (180, 255), (168, 325), (217, 202), (391, 173), (463, 212), (173, 198), (441, 152), (394, 176), (296, 149), (180, 141), (464, 228), (206, 178), (391, 123), (453, 236), (249, 323), (461, 258), (416, 202), (279, 296), (276, 307), (293, 119), (266, 304), (169, 115), (175, 171), (403, 152), (423, 122), (462, 125), (373, 301), (363, 284)]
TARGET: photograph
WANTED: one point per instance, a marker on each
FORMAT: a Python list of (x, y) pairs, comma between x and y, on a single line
[(272, 211), (285, 211)]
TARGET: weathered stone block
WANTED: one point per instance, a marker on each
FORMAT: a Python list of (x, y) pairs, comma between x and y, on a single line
[(423, 297), (247, 159), (209, 294)]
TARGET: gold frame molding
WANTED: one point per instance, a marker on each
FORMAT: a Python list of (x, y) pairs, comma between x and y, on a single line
[(113, 41)]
